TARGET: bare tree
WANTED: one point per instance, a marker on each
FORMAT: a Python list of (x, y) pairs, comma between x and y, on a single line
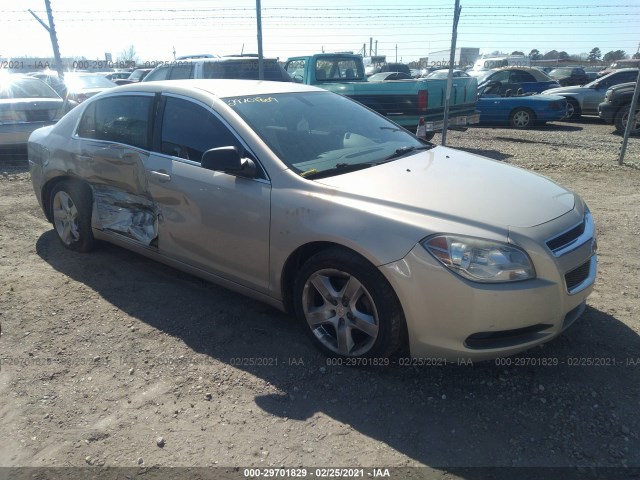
[(128, 55)]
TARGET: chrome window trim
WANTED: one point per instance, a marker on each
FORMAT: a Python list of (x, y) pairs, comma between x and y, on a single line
[(225, 123), (584, 237)]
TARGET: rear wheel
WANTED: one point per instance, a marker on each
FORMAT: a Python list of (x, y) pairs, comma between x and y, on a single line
[(522, 118), (348, 307), (622, 117), (573, 109), (71, 213)]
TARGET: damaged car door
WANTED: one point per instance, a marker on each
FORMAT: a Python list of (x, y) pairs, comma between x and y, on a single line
[(212, 220), (114, 136)]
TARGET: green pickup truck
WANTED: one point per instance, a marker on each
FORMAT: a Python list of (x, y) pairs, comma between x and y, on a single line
[(405, 102)]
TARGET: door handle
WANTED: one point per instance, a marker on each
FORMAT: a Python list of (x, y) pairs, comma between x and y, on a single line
[(162, 176)]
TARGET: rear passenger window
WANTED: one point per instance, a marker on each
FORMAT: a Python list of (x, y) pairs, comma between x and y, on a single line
[(189, 130), (244, 70), (181, 72), (160, 73), (626, 77), (87, 126), (123, 119)]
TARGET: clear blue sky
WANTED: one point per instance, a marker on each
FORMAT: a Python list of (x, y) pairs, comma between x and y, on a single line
[(155, 27)]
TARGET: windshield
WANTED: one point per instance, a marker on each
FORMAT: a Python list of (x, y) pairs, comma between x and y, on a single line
[(482, 77), (315, 132)]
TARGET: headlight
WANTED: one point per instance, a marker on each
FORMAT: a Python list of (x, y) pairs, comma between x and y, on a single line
[(480, 260)]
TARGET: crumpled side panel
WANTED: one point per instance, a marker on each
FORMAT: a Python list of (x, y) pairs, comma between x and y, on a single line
[(132, 215)]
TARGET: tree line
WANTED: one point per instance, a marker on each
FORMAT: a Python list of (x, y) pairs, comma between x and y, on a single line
[(594, 56)]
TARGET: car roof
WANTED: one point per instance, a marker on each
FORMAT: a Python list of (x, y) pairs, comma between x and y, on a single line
[(219, 87), (625, 70), (539, 75), (217, 60)]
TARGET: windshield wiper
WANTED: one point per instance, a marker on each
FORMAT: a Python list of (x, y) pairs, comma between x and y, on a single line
[(338, 169), (402, 151)]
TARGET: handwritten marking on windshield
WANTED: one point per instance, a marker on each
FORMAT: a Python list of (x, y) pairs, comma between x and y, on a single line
[(238, 101)]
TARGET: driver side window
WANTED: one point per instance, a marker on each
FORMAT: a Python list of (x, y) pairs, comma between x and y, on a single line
[(189, 130)]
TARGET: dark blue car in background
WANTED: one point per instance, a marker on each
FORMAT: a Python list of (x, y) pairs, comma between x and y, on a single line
[(515, 79)]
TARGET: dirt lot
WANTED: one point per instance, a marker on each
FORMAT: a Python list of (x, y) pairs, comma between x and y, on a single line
[(102, 354)]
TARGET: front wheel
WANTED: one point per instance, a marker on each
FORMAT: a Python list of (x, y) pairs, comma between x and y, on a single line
[(622, 117), (429, 136), (522, 118), (71, 213), (348, 307)]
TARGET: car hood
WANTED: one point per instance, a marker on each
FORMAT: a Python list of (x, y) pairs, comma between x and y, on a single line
[(565, 90), (623, 86), (453, 184)]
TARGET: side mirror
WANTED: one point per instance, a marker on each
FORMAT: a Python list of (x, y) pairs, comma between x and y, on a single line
[(229, 160)]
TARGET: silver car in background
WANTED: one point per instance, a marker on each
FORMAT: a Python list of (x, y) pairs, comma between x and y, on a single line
[(377, 241), (26, 104), (584, 99)]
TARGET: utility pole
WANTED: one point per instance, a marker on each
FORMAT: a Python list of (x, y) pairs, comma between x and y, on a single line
[(260, 59), (454, 36), (376, 48), (631, 121), (396, 53), (51, 28)]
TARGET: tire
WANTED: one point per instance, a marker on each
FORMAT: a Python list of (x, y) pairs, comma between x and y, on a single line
[(429, 136), (522, 118), (71, 206), (573, 109), (357, 314), (621, 121)]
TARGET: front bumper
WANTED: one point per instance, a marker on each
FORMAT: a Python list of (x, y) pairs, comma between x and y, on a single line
[(456, 120), (607, 112), (451, 318)]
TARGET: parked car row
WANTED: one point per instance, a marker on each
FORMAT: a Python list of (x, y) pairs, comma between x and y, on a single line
[(505, 95)]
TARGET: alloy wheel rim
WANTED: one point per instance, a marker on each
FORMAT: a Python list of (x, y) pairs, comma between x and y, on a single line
[(521, 119), (340, 312), (65, 218)]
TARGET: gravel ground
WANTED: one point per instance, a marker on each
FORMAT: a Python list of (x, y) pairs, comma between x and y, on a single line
[(109, 359)]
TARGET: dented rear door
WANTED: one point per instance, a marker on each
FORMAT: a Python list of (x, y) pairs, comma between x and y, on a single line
[(113, 140)]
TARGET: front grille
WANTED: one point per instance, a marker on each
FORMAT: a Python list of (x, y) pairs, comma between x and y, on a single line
[(578, 275), (566, 238)]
